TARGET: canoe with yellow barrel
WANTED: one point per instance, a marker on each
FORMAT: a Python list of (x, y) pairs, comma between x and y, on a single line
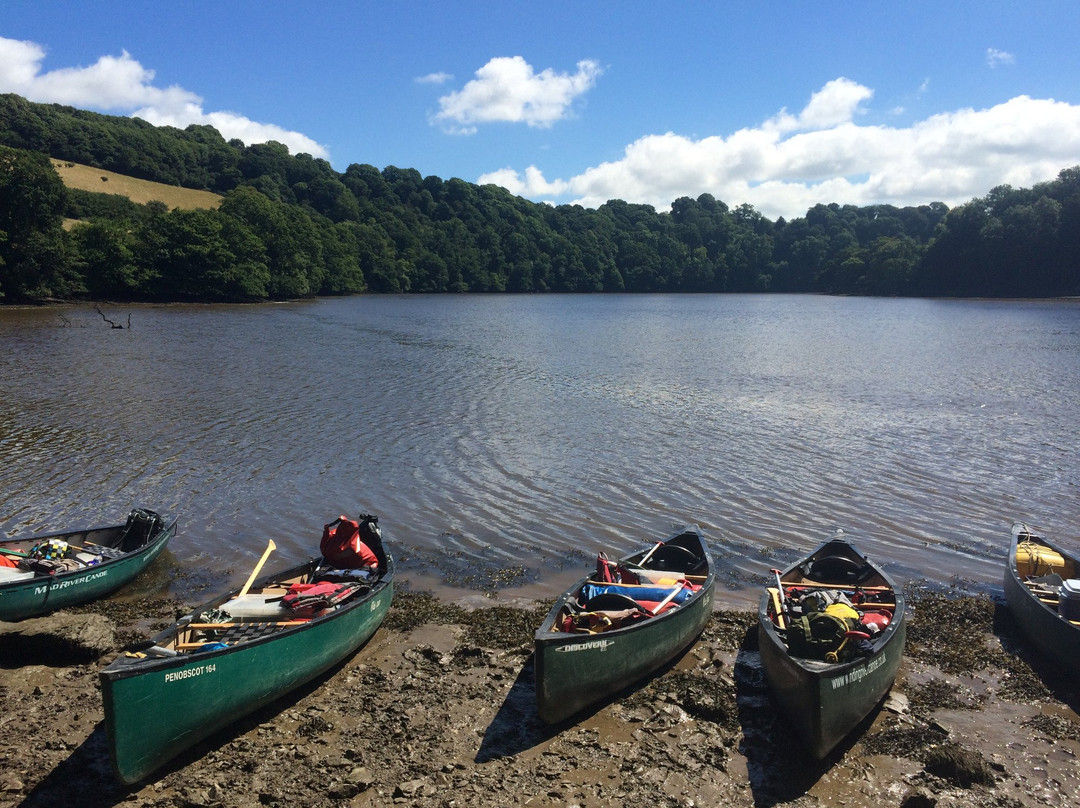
[(1042, 588)]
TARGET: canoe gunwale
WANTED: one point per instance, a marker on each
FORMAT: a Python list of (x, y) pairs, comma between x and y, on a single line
[(546, 632)]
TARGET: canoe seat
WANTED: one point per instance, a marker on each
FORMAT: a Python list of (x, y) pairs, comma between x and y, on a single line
[(839, 569), (675, 558)]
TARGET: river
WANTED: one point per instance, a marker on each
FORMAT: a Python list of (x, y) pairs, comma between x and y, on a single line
[(504, 440)]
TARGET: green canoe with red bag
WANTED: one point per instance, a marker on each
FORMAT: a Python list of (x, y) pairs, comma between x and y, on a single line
[(234, 654)]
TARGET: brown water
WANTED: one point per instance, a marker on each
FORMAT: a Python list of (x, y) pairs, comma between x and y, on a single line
[(497, 432)]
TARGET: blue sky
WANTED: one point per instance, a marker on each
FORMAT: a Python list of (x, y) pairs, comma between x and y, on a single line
[(775, 104)]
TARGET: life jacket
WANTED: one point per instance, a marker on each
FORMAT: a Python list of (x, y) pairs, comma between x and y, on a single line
[(7, 561), (343, 547), (842, 610), (307, 600)]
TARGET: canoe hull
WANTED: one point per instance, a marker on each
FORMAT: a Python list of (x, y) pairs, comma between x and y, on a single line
[(575, 671), (1054, 636), (159, 708), (824, 702), (824, 706), (42, 594)]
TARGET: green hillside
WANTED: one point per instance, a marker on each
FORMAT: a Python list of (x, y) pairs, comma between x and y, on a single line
[(229, 221)]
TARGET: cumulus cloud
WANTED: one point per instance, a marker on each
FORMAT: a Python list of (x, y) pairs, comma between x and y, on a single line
[(835, 103), (822, 155), (508, 90), (119, 84), (996, 58)]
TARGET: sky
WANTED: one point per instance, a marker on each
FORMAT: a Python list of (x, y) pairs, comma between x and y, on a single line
[(778, 105)]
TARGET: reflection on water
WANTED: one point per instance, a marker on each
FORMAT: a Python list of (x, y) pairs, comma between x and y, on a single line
[(501, 432)]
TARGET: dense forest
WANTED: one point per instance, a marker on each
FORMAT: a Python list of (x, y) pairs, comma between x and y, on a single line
[(289, 226)]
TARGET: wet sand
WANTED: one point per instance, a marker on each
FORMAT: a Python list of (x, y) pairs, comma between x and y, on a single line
[(438, 710)]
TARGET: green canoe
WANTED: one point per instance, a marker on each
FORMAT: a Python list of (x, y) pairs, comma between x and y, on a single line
[(825, 700), (600, 638), (1034, 576), (57, 570), (229, 657)]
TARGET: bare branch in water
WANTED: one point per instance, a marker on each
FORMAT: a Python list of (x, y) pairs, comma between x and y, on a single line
[(67, 322), (110, 322)]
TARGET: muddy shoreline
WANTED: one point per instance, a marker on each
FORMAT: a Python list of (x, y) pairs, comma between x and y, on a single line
[(438, 710)]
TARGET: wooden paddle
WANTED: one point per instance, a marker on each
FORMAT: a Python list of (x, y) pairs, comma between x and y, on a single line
[(819, 585), (782, 608), (6, 551), (775, 595), (270, 547)]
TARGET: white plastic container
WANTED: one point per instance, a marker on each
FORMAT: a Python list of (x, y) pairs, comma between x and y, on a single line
[(1069, 599), (257, 607)]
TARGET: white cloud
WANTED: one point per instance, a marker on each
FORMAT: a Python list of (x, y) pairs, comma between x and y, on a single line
[(821, 155), (434, 78), (835, 103), (996, 58), (119, 84), (507, 89)]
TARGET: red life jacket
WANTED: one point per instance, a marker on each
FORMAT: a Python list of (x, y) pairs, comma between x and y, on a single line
[(342, 547), (309, 600)]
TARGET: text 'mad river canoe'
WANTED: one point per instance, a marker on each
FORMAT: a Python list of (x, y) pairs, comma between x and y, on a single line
[(1042, 588), (41, 574), (831, 635), (234, 654), (621, 623)]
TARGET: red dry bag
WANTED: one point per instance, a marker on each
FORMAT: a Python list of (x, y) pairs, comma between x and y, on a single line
[(341, 545)]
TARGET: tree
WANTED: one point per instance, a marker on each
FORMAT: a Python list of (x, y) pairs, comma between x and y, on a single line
[(890, 265), (293, 247), (203, 255), (108, 262), (34, 258)]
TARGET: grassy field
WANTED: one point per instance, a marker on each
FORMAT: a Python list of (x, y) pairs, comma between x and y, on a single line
[(87, 178)]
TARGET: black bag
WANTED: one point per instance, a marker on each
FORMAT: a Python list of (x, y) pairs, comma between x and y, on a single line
[(141, 525), (371, 535)]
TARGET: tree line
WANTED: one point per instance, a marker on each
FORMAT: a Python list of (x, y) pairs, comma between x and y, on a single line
[(290, 226)]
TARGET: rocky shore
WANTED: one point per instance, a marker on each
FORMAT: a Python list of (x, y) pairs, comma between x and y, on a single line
[(438, 710)]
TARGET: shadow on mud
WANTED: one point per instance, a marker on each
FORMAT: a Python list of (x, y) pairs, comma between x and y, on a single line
[(779, 766)]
